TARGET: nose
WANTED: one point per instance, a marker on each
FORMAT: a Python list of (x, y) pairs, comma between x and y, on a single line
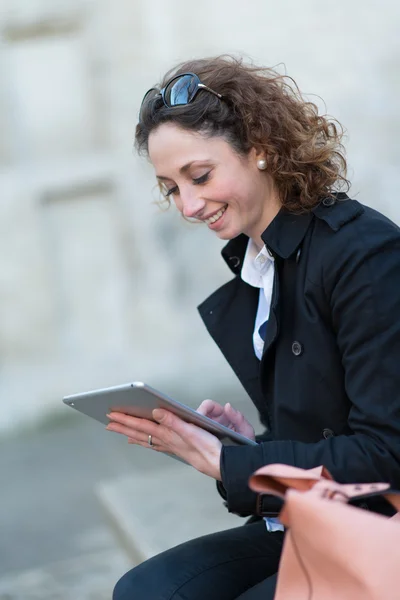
[(192, 203)]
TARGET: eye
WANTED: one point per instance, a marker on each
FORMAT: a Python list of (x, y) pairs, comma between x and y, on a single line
[(171, 191), (201, 179)]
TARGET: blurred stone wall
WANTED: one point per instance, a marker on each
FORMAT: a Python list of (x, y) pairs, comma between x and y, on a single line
[(97, 286)]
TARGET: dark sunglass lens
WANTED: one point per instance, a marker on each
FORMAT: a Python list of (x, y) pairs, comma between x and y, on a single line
[(180, 91)]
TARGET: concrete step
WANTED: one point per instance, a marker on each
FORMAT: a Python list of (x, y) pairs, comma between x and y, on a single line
[(86, 577), (158, 509)]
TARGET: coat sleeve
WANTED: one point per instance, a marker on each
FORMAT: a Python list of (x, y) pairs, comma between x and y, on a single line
[(361, 281)]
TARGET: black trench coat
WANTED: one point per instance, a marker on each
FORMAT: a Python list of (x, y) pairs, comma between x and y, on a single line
[(328, 385)]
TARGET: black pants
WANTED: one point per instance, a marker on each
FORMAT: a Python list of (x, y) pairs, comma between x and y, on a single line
[(237, 564)]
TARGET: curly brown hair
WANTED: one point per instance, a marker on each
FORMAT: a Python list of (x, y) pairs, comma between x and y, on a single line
[(260, 109)]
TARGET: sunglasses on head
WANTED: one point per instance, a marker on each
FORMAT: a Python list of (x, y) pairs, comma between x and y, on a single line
[(180, 90)]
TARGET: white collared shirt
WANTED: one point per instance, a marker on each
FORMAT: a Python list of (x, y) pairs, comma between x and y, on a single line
[(258, 271)]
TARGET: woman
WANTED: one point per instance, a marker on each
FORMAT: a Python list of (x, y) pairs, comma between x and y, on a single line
[(310, 322)]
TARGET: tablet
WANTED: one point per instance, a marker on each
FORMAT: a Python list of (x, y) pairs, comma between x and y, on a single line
[(139, 400)]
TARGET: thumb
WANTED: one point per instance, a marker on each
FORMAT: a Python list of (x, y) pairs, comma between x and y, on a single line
[(159, 415)]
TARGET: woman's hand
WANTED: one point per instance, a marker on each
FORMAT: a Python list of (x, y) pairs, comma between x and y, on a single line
[(228, 416), (170, 434)]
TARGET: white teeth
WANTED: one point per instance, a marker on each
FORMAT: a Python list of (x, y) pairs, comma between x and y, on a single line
[(217, 216)]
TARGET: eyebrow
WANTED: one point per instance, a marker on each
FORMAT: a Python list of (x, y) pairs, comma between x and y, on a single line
[(182, 170)]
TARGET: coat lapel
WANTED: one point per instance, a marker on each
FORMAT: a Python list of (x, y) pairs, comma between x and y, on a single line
[(229, 315)]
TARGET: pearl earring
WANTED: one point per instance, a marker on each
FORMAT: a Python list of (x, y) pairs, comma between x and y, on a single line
[(262, 164)]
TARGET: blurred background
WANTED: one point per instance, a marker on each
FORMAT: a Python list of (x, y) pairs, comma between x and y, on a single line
[(99, 287)]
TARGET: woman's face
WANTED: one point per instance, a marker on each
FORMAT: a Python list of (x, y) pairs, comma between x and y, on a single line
[(212, 183)]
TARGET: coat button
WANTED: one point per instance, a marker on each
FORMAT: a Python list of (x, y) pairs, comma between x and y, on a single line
[(328, 201), (297, 348), (327, 433)]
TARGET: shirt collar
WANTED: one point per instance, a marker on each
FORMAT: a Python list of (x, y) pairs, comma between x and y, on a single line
[(256, 263)]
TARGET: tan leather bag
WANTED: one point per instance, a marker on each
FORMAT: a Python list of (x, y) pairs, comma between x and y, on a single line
[(332, 551)]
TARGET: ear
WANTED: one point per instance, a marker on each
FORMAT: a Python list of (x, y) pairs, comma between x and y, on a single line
[(256, 155)]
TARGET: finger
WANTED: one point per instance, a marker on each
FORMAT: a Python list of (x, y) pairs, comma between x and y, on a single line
[(239, 421), (171, 424), (215, 411), (211, 409), (133, 433), (231, 412), (205, 407), (142, 441), (183, 439), (234, 415), (145, 444), (135, 423), (127, 419)]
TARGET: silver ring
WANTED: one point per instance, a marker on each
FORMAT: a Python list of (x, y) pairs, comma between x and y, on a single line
[(150, 442)]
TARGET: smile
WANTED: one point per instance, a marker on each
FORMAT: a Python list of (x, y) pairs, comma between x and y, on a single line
[(217, 216)]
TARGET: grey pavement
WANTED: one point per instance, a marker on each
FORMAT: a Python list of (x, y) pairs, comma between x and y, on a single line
[(53, 532), (57, 540), (157, 510), (48, 511), (86, 577)]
